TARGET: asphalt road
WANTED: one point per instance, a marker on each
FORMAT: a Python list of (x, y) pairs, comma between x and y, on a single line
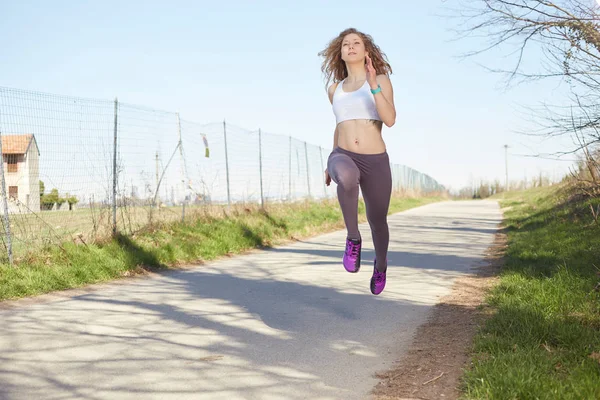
[(286, 323)]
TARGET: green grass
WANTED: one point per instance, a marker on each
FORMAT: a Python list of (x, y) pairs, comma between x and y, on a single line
[(540, 340), (205, 236)]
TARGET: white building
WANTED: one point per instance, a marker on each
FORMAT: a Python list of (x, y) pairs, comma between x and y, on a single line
[(21, 172)]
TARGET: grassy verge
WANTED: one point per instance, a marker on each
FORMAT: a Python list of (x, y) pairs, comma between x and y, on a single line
[(542, 340), (206, 236)]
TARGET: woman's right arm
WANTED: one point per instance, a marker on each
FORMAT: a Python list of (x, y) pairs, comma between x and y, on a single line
[(330, 93)]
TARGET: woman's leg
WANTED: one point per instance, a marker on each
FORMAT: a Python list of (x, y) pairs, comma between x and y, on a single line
[(376, 187), (345, 174)]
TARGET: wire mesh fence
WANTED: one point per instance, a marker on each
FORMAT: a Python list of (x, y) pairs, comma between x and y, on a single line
[(83, 169)]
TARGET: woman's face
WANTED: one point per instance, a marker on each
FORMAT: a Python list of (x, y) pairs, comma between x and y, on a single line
[(353, 48)]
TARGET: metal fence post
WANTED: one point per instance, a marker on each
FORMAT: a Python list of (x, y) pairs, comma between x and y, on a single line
[(307, 171), (394, 177), (290, 173), (322, 169), (262, 199), (5, 206), (183, 171), (114, 188), (226, 163)]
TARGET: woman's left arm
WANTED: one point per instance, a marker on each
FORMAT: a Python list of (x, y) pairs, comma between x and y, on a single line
[(384, 100)]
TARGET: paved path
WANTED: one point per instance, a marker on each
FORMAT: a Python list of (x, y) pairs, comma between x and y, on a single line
[(287, 323)]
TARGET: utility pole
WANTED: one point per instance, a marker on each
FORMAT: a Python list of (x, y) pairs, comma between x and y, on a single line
[(506, 166)]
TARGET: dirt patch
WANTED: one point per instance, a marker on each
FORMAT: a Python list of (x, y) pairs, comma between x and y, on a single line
[(435, 361)]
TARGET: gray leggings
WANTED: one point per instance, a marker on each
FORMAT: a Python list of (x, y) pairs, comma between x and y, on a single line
[(373, 174)]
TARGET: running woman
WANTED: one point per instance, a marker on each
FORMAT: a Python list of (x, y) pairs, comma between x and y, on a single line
[(362, 100)]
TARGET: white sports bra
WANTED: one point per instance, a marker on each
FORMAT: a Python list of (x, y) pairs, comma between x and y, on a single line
[(359, 104)]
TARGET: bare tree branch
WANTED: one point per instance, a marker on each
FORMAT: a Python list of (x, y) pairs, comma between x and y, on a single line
[(567, 32)]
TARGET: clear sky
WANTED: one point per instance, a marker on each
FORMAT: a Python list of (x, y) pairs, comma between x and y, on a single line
[(255, 64)]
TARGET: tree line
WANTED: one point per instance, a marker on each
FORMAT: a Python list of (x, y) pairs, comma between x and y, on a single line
[(47, 200)]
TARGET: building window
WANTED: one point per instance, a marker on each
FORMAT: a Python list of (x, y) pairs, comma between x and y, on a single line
[(12, 162), (13, 192)]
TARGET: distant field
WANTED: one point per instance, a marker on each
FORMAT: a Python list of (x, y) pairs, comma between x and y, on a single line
[(32, 231)]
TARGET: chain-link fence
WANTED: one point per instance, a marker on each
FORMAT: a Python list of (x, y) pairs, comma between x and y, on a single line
[(82, 169)]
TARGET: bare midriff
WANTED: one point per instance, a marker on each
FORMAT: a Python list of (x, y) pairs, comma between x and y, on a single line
[(361, 136)]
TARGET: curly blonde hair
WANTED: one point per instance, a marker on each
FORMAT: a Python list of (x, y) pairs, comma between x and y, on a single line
[(334, 68)]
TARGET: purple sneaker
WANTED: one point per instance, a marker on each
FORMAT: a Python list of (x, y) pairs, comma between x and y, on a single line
[(377, 280), (352, 255)]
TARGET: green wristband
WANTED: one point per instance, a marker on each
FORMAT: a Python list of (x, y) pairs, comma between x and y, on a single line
[(376, 90)]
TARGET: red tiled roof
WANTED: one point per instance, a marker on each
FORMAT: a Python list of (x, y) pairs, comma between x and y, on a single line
[(16, 144)]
